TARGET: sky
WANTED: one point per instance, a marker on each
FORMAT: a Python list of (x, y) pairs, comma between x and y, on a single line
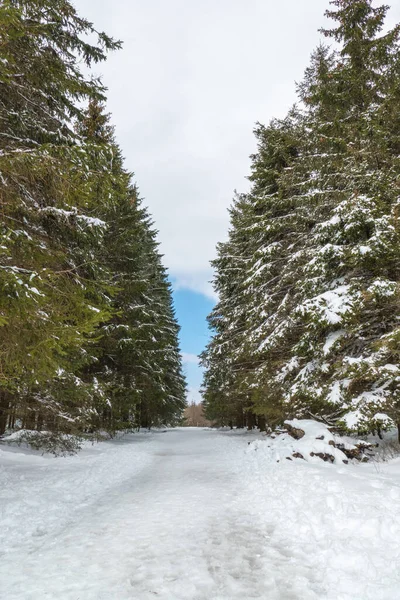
[(193, 78)]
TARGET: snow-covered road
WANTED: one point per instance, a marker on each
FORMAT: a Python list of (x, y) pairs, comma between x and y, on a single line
[(190, 515)]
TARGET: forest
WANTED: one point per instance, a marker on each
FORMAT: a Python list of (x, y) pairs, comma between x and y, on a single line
[(281, 479)]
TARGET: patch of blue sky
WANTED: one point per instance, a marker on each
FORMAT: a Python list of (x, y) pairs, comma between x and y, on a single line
[(192, 309)]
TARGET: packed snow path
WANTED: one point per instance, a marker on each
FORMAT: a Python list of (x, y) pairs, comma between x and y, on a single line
[(190, 515)]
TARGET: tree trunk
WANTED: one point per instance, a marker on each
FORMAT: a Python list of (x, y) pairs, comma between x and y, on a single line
[(4, 410), (262, 425), (240, 420), (398, 429), (250, 421), (39, 423), (29, 421), (3, 421)]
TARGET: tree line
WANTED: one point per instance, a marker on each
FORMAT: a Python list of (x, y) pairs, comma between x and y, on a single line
[(308, 319), (88, 334)]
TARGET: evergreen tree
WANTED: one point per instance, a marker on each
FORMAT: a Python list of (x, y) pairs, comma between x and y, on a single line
[(87, 330), (45, 307), (346, 302), (42, 45), (138, 374), (322, 297), (248, 279)]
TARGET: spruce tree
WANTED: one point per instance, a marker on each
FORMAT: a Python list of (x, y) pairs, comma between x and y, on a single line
[(322, 297), (87, 330), (346, 302), (247, 265), (138, 372), (45, 307)]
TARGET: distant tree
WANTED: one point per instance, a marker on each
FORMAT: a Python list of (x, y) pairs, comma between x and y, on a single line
[(194, 416)]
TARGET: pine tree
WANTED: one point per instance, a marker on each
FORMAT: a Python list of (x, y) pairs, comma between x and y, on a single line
[(80, 274), (138, 373), (44, 201), (42, 44), (322, 297), (141, 356), (348, 294), (248, 264)]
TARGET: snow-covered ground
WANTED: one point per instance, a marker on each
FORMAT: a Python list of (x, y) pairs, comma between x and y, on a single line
[(196, 515)]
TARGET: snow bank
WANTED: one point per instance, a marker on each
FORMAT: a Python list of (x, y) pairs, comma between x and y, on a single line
[(311, 441), (45, 442)]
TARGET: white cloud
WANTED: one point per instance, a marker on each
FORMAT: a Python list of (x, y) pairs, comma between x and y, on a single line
[(190, 358), (185, 92), (198, 281)]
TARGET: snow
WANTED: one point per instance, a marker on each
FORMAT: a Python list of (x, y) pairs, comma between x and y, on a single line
[(317, 440), (352, 419), (310, 427), (66, 214), (196, 515), (384, 419), (331, 340), (382, 287), (335, 220), (333, 304), (288, 368), (335, 395)]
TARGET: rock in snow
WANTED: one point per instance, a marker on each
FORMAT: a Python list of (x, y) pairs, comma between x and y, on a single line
[(309, 440)]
